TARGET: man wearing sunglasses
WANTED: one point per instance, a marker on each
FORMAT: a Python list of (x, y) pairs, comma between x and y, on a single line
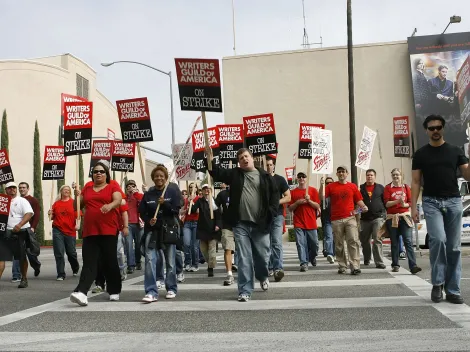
[(437, 163)]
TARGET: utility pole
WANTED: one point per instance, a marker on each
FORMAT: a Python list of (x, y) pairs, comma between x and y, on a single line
[(352, 112)]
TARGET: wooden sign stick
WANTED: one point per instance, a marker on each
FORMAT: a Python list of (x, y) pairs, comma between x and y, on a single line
[(309, 166), (52, 199)]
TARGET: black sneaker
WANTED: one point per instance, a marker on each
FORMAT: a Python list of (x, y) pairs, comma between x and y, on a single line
[(23, 283), (210, 272), (380, 266), (436, 293), (234, 268), (455, 299), (366, 262), (356, 272), (278, 275), (415, 270), (341, 270), (325, 254), (138, 266), (36, 272), (303, 268), (395, 269), (314, 262), (130, 270)]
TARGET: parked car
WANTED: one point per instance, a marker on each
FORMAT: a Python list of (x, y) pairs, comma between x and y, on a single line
[(465, 234)]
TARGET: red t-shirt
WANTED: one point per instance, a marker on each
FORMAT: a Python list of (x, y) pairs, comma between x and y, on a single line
[(392, 193), (95, 222), (305, 216), (122, 209), (64, 217), (193, 216), (343, 197), (370, 190), (133, 201)]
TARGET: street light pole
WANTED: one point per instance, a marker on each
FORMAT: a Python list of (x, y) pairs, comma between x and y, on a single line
[(352, 111), (107, 64)]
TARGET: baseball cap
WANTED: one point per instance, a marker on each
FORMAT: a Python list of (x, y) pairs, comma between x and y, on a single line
[(205, 185), (11, 184), (342, 167), (131, 182), (301, 174)]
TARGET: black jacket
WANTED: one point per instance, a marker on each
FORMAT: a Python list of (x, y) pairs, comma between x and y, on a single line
[(223, 200), (376, 205), (205, 225), (269, 194)]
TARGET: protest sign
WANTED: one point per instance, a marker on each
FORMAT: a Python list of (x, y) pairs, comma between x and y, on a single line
[(305, 139), (111, 135), (401, 136), (366, 148), (101, 150), (199, 84), (199, 148), (322, 151), (54, 163), (123, 157), (289, 175), (134, 118), (6, 175), (5, 202), (260, 134), (78, 127), (183, 165), (67, 98), (230, 141)]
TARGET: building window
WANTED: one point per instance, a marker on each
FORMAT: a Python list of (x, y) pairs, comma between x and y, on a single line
[(82, 87)]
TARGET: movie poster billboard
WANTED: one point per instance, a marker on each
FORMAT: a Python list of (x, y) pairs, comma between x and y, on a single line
[(100, 150), (260, 134), (401, 136), (123, 158), (305, 139), (134, 118), (440, 78), (230, 141), (199, 84), (54, 163)]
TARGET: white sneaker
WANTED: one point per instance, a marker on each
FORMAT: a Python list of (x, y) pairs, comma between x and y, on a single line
[(187, 268), (114, 297), (60, 278), (180, 277), (170, 295), (194, 269), (79, 298), (265, 285), (149, 298), (330, 259), (160, 285)]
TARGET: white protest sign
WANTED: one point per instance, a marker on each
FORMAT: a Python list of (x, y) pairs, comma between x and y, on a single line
[(364, 155), (322, 151), (183, 168)]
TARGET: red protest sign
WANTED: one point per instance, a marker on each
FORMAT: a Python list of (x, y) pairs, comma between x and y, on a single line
[(260, 134), (134, 118), (199, 84), (101, 150), (68, 98), (230, 141), (6, 174), (401, 136), (199, 147), (123, 158), (305, 139), (5, 202), (78, 127), (54, 163)]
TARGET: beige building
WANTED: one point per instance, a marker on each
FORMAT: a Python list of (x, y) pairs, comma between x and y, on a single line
[(30, 90), (312, 86)]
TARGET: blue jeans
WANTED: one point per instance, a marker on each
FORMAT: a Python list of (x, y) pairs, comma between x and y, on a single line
[(402, 247), (15, 270), (178, 264), (444, 224), (154, 256), (121, 252), (307, 244), (191, 244), (406, 232), (33, 262), (133, 251), (252, 247), (328, 244), (275, 260), (64, 244)]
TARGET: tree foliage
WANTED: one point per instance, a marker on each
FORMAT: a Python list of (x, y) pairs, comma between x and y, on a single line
[(37, 182)]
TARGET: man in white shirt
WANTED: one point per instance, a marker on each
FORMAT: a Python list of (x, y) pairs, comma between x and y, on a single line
[(12, 243)]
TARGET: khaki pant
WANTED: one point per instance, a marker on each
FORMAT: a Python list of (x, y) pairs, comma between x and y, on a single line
[(370, 229), (346, 230), (208, 249)]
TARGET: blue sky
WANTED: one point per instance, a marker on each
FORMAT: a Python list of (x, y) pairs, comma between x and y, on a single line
[(157, 31)]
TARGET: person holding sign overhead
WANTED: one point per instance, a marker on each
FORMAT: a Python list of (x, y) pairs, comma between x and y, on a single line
[(101, 200), (254, 202)]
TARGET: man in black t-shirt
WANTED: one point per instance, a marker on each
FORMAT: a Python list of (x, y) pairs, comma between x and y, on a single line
[(437, 162), (275, 261)]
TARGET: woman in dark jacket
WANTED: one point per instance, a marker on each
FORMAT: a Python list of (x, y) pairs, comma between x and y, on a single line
[(153, 234), (208, 230)]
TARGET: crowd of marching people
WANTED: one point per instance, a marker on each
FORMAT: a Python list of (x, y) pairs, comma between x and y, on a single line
[(166, 232)]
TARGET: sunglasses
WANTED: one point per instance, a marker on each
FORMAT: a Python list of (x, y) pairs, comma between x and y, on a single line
[(302, 176), (435, 128), (99, 172), (328, 183)]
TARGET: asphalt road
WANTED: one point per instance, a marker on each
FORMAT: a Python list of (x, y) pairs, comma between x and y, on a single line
[(314, 311)]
